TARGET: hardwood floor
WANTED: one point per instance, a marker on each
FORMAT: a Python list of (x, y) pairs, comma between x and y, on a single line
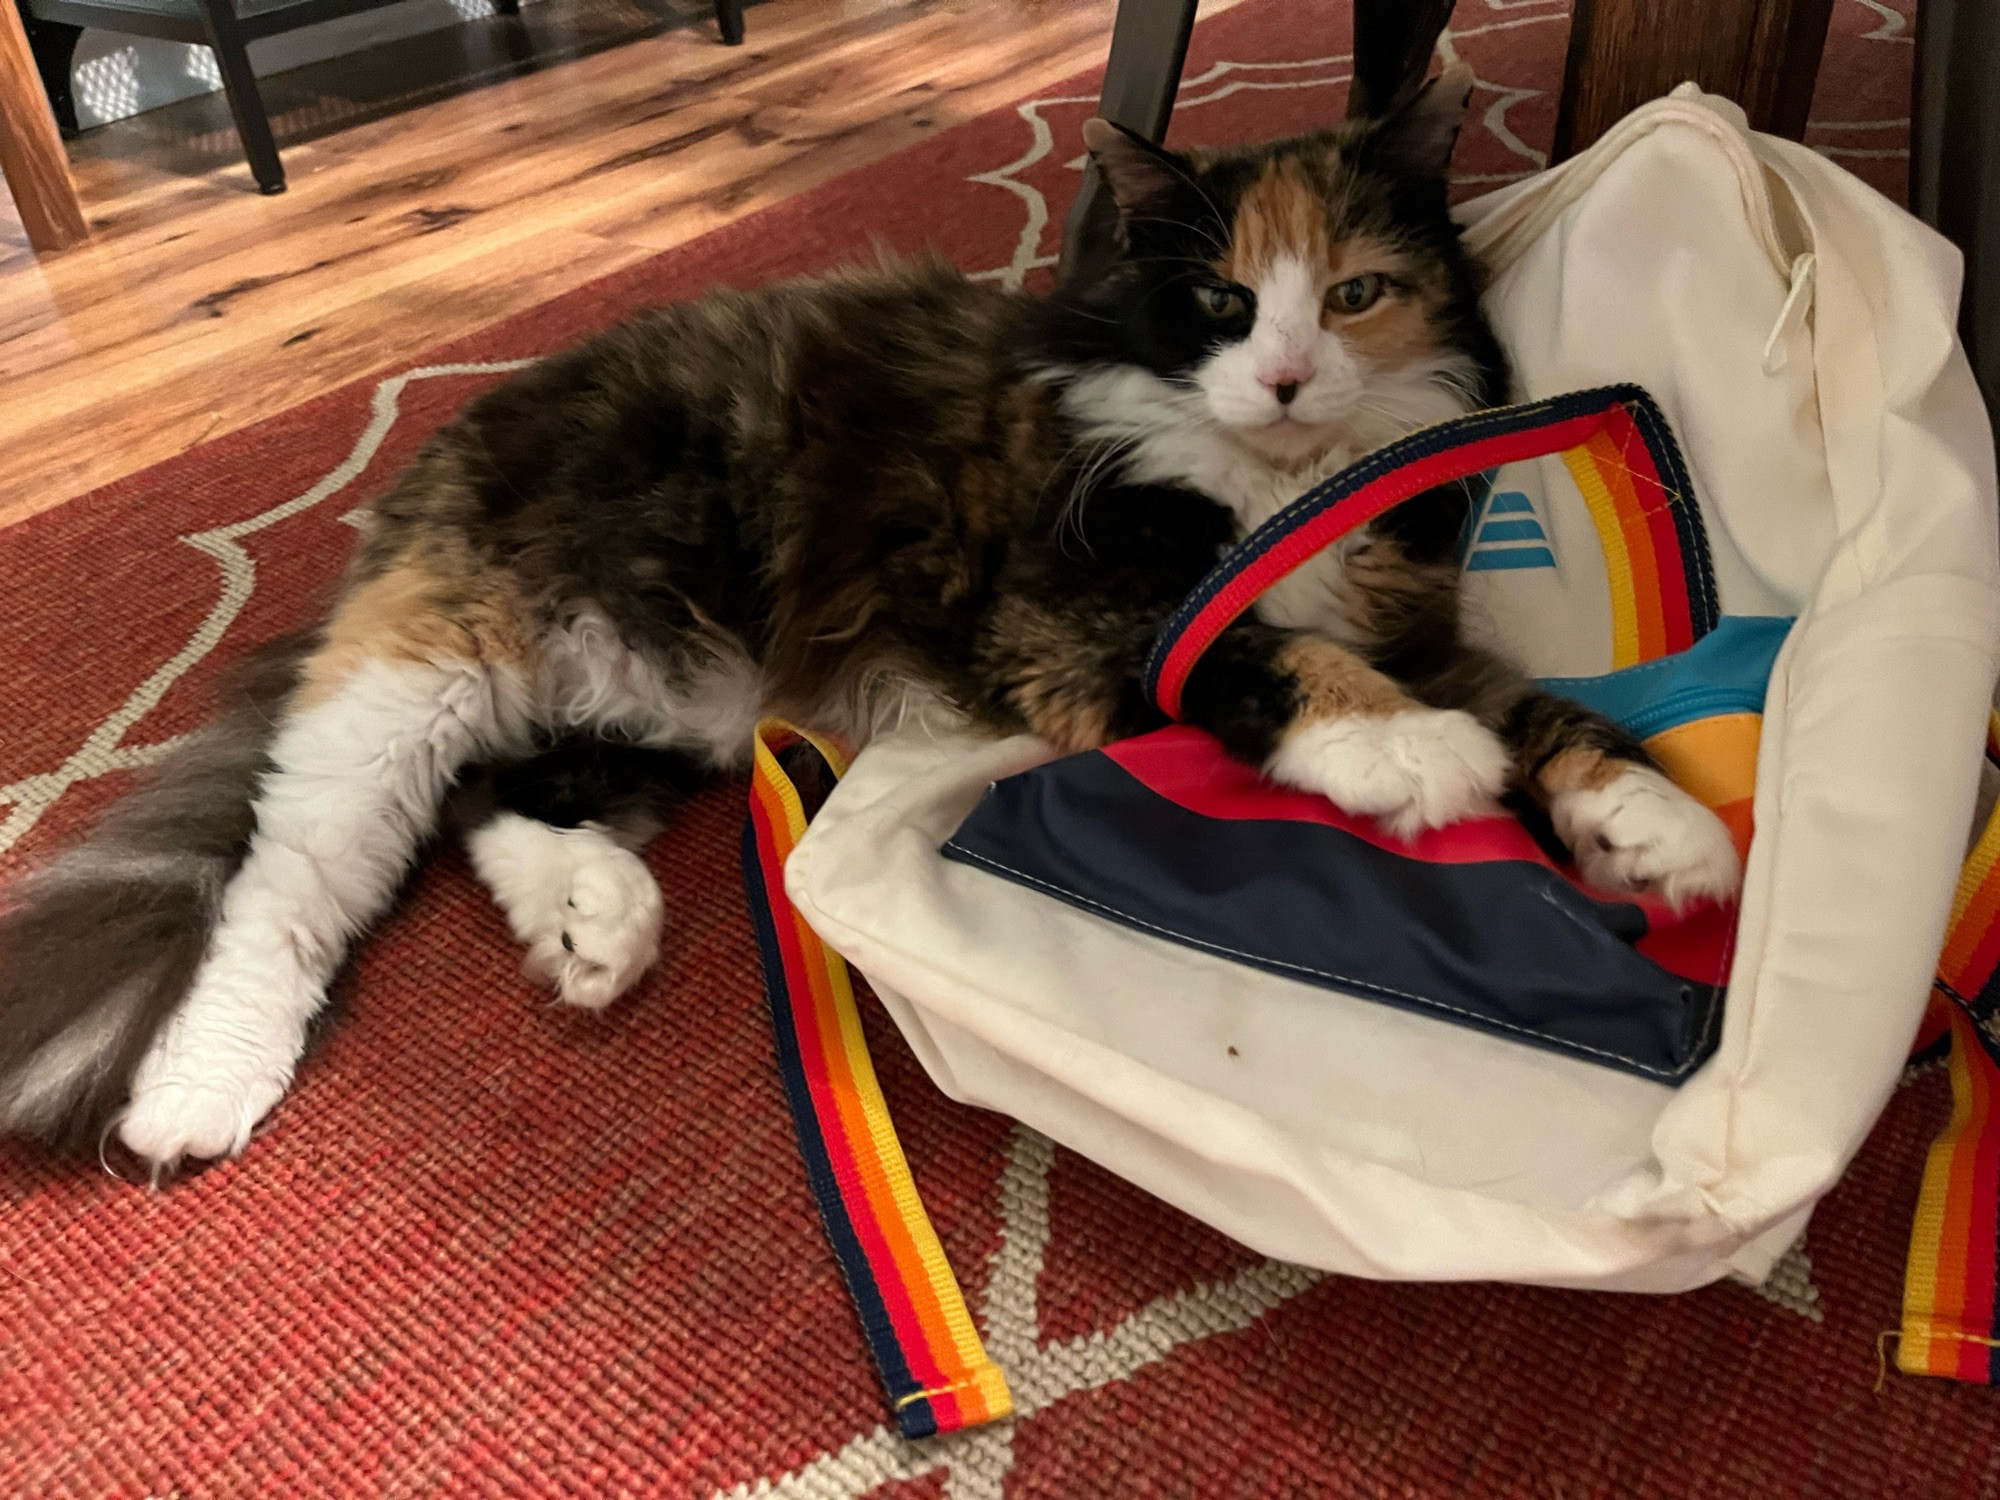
[(199, 307)]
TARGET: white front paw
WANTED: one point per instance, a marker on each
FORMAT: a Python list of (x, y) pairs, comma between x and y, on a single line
[(1422, 768), (588, 911), (1640, 832)]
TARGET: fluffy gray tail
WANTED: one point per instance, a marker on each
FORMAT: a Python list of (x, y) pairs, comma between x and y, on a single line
[(98, 948)]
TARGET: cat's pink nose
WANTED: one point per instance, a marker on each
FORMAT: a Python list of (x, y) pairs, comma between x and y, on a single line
[(1283, 381)]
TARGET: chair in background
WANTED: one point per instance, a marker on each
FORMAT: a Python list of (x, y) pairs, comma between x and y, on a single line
[(1762, 53), (31, 153), (226, 27)]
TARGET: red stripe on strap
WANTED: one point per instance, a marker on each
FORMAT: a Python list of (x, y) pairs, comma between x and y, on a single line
[(843, 1153), (1357, 509), (1656, 505)]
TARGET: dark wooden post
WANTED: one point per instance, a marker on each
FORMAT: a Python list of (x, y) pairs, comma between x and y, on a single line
[(1149, 40), (1764, 54), (1955, 163)]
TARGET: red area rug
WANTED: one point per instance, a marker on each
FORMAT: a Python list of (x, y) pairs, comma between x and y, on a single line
[(490, 1247)]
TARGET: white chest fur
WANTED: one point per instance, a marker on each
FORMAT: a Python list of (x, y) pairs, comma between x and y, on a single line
[(1164, 434)]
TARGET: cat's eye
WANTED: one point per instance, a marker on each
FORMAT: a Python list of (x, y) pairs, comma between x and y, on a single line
[(1356, 294), (1220, 301)]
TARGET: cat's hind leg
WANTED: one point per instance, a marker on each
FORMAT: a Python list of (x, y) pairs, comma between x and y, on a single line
[(415, 676), (99, 946)]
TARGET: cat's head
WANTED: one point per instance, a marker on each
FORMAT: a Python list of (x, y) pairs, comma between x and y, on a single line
[(1299, 297)]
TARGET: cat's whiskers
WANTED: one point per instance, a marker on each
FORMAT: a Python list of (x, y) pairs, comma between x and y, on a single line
[(1105, 452)]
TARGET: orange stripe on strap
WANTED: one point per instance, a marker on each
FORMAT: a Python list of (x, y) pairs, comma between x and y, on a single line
[(1951, 1325), (851, 1073), (934, 1370), (1641, 559)]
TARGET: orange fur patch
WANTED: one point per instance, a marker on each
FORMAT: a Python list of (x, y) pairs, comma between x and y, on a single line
[(1334, 683), (1579, 771), (1281, 214), (418, 611)]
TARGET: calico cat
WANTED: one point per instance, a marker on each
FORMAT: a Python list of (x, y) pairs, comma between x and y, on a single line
[(851, 499)]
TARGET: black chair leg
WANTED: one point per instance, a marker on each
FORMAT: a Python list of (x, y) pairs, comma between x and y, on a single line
[(729, 21), (1393, 42), (246, 103), (1149, 41), (54, 46)]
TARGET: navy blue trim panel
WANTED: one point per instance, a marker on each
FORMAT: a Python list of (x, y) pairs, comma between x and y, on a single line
[(1508, 947)]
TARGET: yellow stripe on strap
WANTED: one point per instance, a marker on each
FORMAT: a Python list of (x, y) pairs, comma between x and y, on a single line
[(934, 1370)]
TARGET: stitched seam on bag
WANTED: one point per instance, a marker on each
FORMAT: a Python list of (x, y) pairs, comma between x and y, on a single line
[(1076, 899), (1658, 435), (1716, 995)]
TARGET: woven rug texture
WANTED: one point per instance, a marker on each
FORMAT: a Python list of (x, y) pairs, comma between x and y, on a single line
[(491, 1247)]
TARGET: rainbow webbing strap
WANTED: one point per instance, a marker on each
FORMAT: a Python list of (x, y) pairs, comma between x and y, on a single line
[(1615, 444), (1950, 1323), (933, 1368)]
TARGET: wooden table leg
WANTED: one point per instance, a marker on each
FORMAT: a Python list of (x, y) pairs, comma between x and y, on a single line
[(31, 149), (1393, 42), (1764, 54)]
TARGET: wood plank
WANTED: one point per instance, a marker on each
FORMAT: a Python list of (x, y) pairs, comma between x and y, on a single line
[(1764, 54), (202, 307), (69, 446), (1783, 66), (31, 149)]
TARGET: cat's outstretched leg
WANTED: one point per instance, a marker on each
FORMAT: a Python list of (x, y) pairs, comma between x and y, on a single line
[(98, 947), (1348, 731), (402, 692), (1319, 718), (357, 775), (1306, 710), (1629, 827)]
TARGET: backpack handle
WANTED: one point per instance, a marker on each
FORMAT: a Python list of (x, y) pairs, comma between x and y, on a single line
[(1659, 520)]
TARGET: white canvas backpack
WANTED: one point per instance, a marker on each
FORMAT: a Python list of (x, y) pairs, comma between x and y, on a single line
[(1797, 331)]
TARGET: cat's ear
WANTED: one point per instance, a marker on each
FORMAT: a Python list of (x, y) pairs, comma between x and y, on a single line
[(1416, 140), (1143, 179)]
